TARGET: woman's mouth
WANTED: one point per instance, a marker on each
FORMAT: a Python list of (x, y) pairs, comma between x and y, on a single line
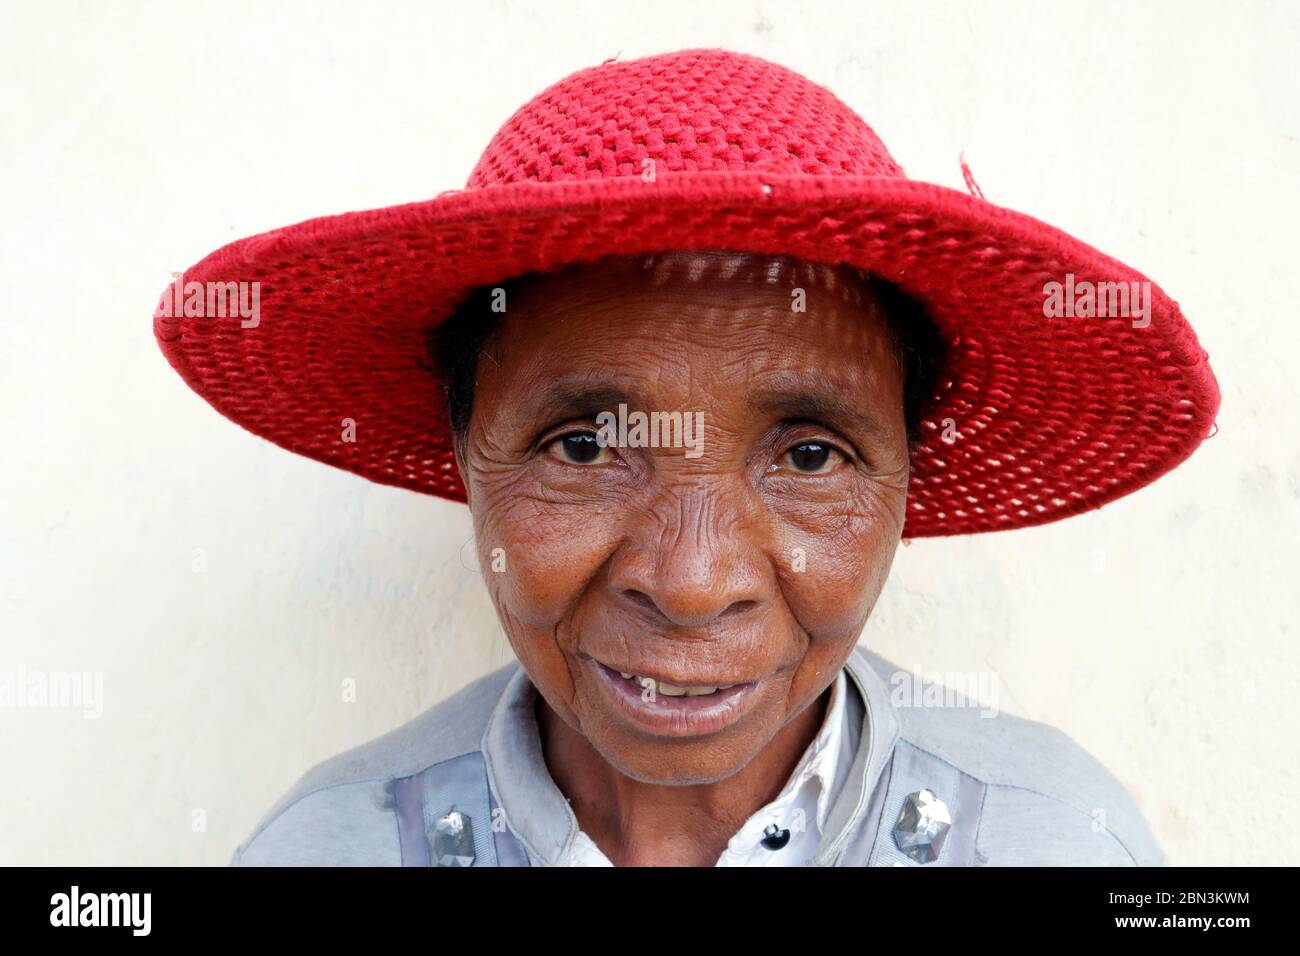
[(672, 690), (673, 709)]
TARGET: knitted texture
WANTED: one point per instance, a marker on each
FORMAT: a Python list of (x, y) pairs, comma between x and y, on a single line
[(1034, 418)]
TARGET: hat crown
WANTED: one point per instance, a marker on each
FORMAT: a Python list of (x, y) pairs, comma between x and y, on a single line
[(694, 110)]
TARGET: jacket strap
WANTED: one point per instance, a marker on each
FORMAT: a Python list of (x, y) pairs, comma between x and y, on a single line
[(912, 771), (460, 784)]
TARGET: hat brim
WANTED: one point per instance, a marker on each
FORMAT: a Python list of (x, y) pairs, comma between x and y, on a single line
[(1033, 419)]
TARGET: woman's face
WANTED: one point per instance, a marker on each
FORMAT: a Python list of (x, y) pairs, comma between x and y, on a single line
[(750, 555)]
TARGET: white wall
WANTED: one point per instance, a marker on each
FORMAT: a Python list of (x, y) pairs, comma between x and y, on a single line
[(1160, 632)]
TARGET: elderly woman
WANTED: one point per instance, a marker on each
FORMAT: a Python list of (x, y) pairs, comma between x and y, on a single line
[(697, 356)]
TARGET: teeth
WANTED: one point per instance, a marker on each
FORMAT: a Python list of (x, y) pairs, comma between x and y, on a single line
[(673, 690)]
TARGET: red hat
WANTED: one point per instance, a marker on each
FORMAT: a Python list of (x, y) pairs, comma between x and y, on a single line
[(1070, 378)]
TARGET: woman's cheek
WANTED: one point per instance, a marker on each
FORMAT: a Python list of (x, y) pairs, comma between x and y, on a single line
[(834, 562), (539, 557)]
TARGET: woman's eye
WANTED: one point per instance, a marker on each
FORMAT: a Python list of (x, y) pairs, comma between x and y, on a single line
[(812, 457), (580, 448)]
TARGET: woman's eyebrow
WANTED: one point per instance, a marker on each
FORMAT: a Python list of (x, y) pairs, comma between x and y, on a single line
[(818, 405), (566, 398), (561, 399)]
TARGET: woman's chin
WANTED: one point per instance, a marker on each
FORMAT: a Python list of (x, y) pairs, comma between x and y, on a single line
[(672, 764)]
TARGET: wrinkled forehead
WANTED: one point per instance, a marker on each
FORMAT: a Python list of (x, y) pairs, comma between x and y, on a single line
[(714, 323), (706, 299), (718, 272), (762, 308)]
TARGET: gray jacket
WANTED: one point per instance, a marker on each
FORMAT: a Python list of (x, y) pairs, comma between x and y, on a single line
[(1016, 792)]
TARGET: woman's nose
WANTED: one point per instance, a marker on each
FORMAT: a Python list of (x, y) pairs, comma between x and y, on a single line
[(694, 556)]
